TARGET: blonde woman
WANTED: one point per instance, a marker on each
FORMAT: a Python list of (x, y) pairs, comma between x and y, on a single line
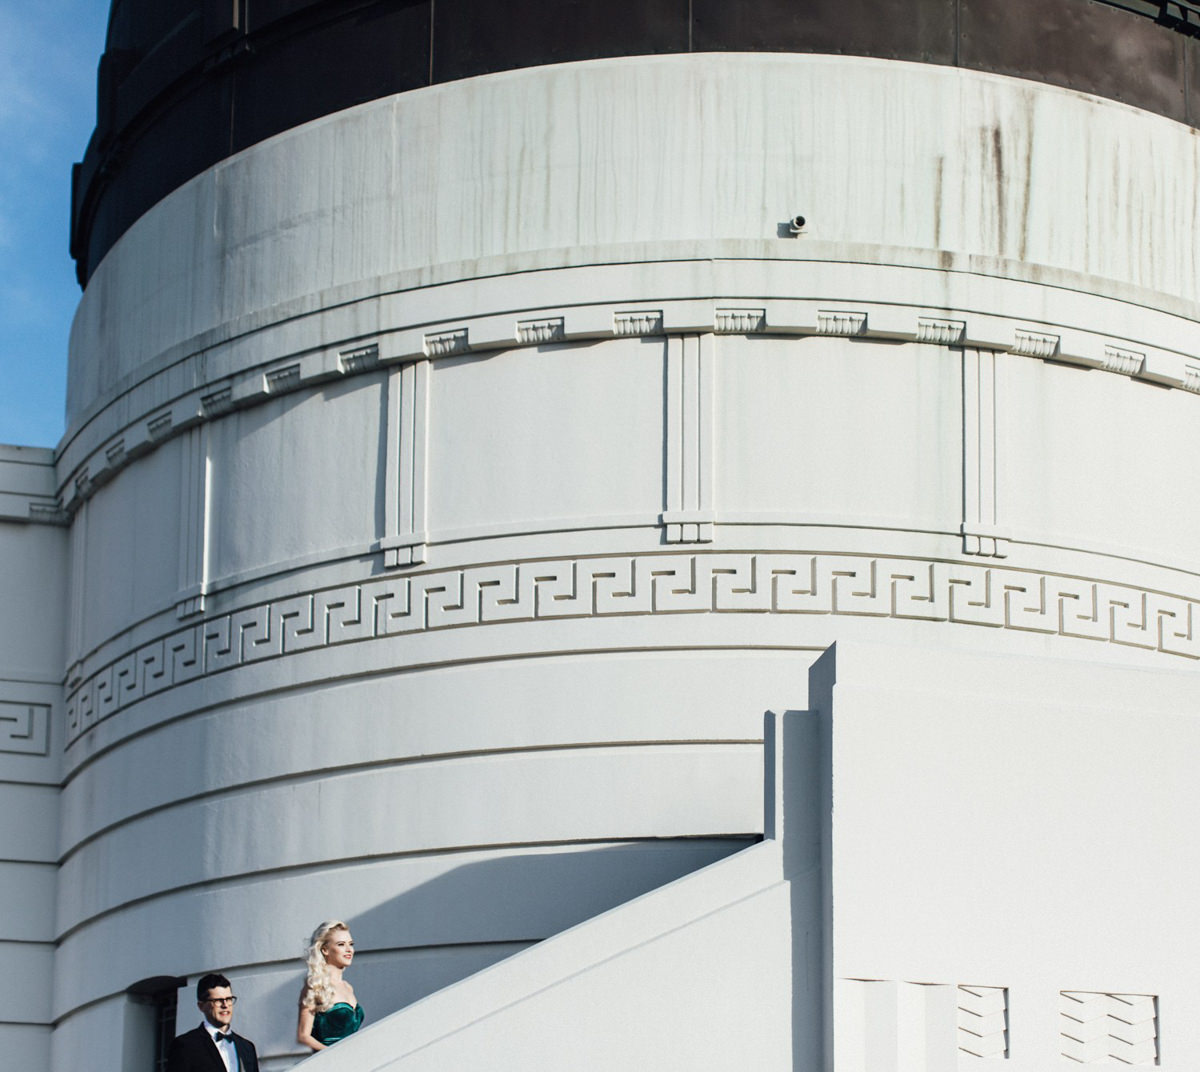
[(328, 1009)]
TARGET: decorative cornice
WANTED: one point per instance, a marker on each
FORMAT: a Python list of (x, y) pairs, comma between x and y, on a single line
[(1035, 344), (962, 593), (358, 358), (740, 321), (1126, 362), (284, 378), (638, 322), (445, 343), (537, 332), (840, 322), (494, 332), (940, 332)]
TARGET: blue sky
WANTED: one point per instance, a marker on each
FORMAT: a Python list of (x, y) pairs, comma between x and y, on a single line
[(48, 56)]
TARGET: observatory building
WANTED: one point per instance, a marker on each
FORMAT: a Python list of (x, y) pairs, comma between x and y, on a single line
[(678, 519)]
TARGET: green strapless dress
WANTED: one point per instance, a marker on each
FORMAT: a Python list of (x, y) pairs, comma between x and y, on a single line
[(337, 1022)]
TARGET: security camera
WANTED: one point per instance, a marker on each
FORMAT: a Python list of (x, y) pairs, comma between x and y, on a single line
[(796, 224)]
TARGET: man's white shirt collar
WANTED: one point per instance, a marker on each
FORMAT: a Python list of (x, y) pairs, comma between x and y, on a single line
[(226, 1049)]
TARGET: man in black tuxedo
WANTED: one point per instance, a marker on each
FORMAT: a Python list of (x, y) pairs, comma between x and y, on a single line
[(212, 1047)]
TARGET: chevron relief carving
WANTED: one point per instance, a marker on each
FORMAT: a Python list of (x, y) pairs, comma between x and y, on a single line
[(983, 1021), (691, 582), (24, 728), (1103, 1028), (906, 1026)]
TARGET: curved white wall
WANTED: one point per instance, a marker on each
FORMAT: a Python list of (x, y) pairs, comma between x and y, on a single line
[(32, 590), (456, 480)]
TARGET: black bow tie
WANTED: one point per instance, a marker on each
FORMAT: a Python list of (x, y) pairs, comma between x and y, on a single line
[(218, 1037)]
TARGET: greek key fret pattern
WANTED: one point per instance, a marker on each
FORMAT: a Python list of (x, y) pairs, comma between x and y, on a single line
[(967, 593), (24, 728), (1103, 1028)]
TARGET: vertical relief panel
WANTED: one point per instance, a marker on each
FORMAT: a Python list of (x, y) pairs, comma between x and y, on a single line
[(981, 492), (77, 551), (690, 384), (405, 469), (193, 521)]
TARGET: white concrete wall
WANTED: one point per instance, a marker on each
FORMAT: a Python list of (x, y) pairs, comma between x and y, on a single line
[(968, 857), (1012, 873), (32, 593), (455, 481), (644, 151), (452, 816), (720, 969)]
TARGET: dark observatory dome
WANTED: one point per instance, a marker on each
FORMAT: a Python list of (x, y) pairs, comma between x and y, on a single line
[(183, 84)]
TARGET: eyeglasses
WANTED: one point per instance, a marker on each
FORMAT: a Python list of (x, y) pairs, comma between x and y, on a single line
[(219, 1001)]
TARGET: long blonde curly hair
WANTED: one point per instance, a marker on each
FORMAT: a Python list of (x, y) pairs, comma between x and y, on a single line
[(318, 986)]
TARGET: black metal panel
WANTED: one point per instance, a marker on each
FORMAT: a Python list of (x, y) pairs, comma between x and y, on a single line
[(260, 14), (159, 161), (376, 51), (1191, 63), (916, 29), (142, 24), (1087, 46), (472, 38), (158, 69), (183, 83)]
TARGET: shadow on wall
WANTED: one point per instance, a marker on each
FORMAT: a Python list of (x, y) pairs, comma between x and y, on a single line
[(740, 941), (473, 915)]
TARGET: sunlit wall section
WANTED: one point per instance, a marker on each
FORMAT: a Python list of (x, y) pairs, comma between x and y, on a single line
[(457, 479)]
